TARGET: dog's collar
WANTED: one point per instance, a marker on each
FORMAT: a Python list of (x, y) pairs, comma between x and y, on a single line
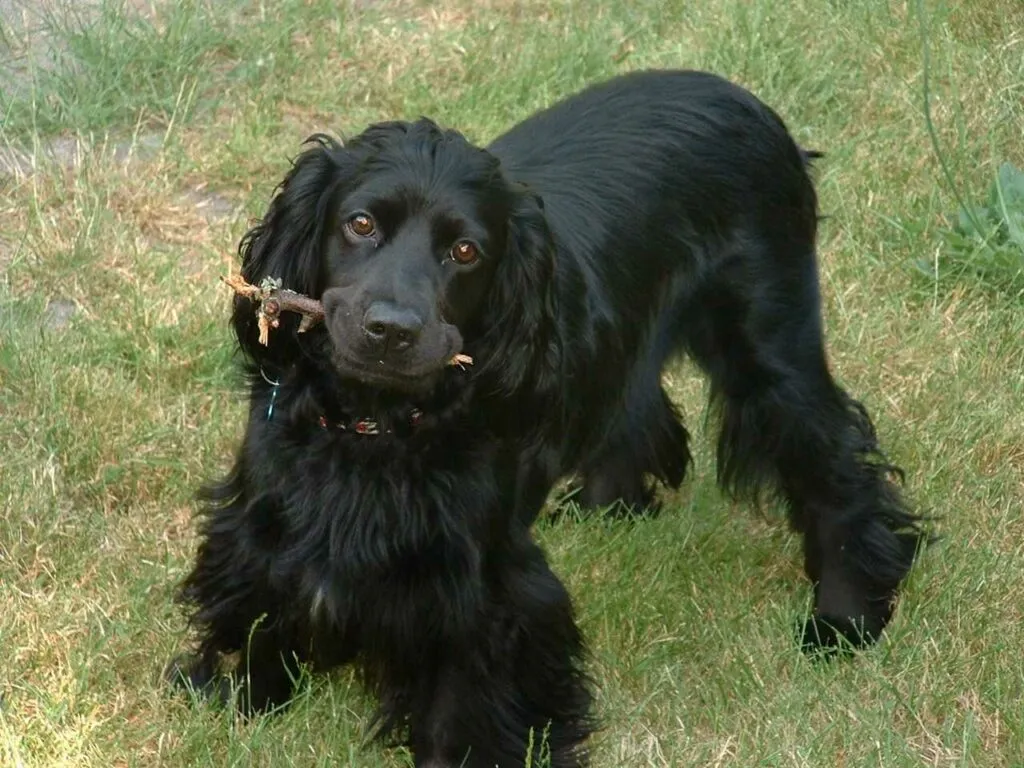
[(368, 426), (360, 426)]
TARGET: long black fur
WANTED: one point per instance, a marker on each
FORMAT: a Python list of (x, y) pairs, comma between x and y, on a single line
[(656, 214)]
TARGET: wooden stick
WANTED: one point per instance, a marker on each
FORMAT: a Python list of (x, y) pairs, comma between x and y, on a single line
[(273, 300)]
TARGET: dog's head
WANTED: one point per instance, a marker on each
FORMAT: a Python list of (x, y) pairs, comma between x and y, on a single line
[(419, 248)]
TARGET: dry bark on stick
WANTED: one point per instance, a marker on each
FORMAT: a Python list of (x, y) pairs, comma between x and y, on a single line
[(272, 300)]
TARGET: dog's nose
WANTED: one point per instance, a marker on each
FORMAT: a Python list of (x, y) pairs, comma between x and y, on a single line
[(390, 327)]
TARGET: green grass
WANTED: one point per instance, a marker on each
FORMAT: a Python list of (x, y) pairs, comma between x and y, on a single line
[(985, 241), (108, 425)]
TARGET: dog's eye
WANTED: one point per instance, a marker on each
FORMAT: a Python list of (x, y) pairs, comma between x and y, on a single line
[(465, 252), (361, 225)]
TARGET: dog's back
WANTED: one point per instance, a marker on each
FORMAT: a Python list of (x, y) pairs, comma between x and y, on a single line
[(681, 139)]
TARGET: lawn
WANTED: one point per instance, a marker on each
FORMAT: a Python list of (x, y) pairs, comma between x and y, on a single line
[(137, 142)]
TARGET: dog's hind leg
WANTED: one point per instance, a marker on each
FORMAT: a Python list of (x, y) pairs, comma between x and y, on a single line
[(755, 327)]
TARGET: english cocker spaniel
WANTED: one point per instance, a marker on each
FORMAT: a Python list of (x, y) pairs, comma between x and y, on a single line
[(379, 511)]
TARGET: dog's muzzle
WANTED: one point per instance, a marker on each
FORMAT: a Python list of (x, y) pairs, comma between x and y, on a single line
[(387, 344)]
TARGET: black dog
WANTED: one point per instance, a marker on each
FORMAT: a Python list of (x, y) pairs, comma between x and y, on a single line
[(379, 510)]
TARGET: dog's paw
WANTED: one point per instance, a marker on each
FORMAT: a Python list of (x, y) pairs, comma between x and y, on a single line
[(190, 672), (633, 513), (830, 636), (576, 504)]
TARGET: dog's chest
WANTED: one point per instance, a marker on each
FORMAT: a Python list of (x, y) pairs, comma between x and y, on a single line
[(362, 532)]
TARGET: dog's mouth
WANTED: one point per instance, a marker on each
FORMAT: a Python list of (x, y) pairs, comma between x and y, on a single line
[(416, 377)]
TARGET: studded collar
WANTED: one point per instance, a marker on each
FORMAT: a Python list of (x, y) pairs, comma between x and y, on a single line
[(358, 426), (364, 426)]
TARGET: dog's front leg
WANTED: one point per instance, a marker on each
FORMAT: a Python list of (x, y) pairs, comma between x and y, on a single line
[(439, 738), (511, 693)]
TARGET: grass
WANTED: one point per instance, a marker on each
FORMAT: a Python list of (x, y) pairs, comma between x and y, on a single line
[(108, 423), (985, 242)]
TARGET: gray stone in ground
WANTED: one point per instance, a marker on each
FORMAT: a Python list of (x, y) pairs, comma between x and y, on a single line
[(27, 43), (58, 314), (212, 206), (15, 162), (144, 147), (66, 152), (63, 152)]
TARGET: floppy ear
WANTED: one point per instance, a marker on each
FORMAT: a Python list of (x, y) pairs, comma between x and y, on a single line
[(521, 344), (286, 245)]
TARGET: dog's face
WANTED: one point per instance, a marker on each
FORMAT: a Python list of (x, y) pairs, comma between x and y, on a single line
[(419, 248), (412, 246)]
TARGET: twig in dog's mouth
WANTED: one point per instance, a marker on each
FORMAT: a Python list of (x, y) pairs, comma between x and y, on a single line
[(272, 300)]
